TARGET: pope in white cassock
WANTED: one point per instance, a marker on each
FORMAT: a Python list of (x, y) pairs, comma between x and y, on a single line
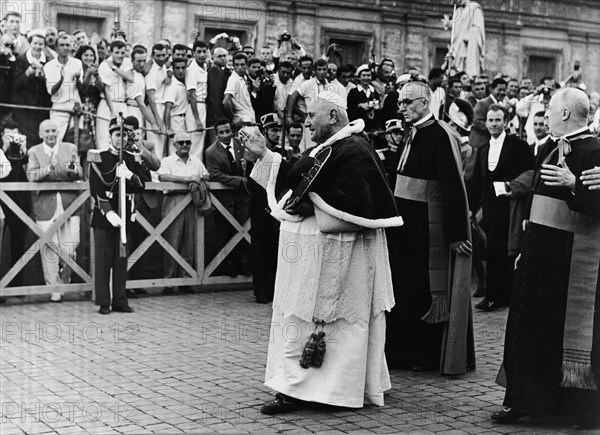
[(333, 281)]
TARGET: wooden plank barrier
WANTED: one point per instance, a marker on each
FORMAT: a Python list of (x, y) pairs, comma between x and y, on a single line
[(200, 275)]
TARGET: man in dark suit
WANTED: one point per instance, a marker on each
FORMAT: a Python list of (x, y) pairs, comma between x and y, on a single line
[(504, 165), (225, 163), (478, 93), (216, 82), (479, 133), (52, 161)]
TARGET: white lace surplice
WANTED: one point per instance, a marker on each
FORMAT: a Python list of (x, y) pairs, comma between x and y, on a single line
[(328, 277)]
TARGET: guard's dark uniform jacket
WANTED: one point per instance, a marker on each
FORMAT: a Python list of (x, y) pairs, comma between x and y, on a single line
[(104, 185)]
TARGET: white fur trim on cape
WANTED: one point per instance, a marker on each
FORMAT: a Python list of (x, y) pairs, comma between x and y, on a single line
[(395, 221), (352, 128)]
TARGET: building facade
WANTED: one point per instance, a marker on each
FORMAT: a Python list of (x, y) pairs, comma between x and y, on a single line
[(529, 38)]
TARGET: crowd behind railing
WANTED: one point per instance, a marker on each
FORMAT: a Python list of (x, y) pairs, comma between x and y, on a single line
[(183, 104)]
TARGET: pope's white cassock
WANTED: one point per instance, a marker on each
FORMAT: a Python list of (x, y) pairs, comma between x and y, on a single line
[(333, 273)]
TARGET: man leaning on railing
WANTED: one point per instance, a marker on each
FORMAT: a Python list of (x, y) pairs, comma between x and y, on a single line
[(182, 167)]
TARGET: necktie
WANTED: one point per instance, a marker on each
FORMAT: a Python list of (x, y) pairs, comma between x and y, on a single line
[(231, 159)]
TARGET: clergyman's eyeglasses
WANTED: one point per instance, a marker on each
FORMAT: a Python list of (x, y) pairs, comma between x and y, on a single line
[(407, 101)]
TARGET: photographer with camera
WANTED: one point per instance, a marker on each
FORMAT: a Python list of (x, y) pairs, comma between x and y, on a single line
[(536, 102), (12, 27), (364, 100), (231, 43), (287, 44)]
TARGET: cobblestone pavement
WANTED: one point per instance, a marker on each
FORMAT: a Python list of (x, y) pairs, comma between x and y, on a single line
[(195, 363)]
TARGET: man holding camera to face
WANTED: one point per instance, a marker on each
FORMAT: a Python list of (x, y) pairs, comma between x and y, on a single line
[(292, 46), (536, 102)]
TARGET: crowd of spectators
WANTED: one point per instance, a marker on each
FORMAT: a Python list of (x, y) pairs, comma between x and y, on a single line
[(188, 99)]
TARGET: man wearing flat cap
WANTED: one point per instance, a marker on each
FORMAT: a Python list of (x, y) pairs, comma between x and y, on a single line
[(333, 280), (104, 189), (394, 131), (264, 227), (181, 167), (272, 129)]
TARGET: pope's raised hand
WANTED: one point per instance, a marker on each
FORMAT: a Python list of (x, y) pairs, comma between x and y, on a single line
[(254, 141)]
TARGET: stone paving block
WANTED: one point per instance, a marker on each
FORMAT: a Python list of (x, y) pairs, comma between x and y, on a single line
[(171, 376)]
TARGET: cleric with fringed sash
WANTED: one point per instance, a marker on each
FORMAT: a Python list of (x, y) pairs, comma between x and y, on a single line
[(333, 282), (430, 328), (552, 346)]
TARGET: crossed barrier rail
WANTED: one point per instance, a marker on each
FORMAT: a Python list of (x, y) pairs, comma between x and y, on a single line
[(199, 273)]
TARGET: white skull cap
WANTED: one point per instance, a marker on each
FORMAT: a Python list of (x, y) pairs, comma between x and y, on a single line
[(334, 98)]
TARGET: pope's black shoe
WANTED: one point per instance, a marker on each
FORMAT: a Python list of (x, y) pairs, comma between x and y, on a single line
[(280, 405), (507, 415), (486, 305)]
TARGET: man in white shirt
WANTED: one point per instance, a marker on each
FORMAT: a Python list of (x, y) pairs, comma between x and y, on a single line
[(341, 83), (308, 91), (298, 112), (114, 72), (53, 161), (535, 102), (237, 102), (158, 78), (136, 90), (176, 103), (63, 79), (437, 76), (181, 167), (283, 83), (196, 80)]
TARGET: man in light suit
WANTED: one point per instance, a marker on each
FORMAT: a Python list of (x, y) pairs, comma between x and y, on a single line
[(52, 161), (225, 163)]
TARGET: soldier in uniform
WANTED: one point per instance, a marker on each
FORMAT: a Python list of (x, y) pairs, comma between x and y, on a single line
[(104, 186)]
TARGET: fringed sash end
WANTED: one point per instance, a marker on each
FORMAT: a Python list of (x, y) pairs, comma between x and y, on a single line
[(578, 374), (438, 312)]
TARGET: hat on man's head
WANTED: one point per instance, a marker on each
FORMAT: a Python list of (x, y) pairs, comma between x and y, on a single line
[(270, 120), (115, 125), (393, 125), (182, 137)]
